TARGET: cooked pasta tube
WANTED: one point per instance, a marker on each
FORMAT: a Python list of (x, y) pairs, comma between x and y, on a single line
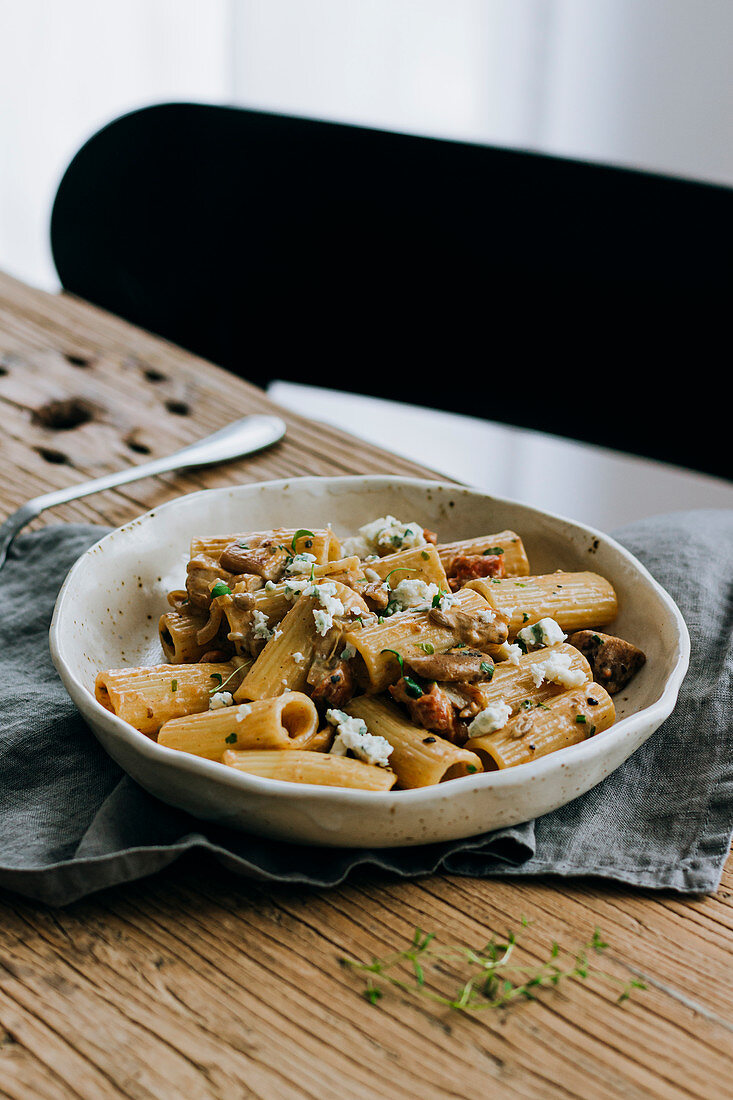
[(255, 557), (149, 697), (178, 630), (418, 757), (420, 563), (319, 741), (508, 543), (312, 767), (569, 718), (515, 685), (574, 600), (322, 544), (285, 661), (263, 724), (408, 633)]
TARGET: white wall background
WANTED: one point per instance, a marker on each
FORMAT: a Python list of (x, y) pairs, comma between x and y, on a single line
[(67, 67), (637, 82)]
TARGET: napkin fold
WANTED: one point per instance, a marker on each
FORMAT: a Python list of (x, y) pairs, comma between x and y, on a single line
[(72, 823)]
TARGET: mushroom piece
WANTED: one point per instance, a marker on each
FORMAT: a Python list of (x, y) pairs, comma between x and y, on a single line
[(268, 560), (613, 661), (457, 665), (479, 629)]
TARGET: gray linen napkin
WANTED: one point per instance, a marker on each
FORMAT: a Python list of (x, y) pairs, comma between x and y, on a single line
[(72, 823)]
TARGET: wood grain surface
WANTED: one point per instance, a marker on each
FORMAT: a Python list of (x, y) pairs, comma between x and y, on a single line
[(197, 984)]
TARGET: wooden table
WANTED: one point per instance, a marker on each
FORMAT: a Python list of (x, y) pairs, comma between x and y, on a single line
[(196, 983)]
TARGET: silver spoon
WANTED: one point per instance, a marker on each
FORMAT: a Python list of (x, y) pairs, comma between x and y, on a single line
[(242, 437)]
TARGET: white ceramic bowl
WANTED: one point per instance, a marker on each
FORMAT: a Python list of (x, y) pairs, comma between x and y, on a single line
[(107, 612)]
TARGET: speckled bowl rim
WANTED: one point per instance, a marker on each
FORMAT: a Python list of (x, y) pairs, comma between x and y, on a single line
[(545, 767)]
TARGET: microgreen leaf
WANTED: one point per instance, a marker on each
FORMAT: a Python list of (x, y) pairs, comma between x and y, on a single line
[(412, 687), (221, 683), (301, 534), (398, 656), (398, 569), (494, 979)]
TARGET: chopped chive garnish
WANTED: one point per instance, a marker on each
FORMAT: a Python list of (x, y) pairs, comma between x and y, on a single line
[(231, 739), (426, 647), (494, 550), (425, 555), (174, 685), (221, 589), (487, 669), (581, 718)]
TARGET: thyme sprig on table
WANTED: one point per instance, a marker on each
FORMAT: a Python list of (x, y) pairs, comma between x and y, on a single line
[(495, 980)]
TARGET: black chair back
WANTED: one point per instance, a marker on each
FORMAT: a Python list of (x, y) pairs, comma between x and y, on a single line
[(574, 298)]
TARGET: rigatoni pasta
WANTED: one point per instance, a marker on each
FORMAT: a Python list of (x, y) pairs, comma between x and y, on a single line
[(149, 697), (571, 717), (288, 721), (574, 600), (383, 661), (312, 767), (418, 759)]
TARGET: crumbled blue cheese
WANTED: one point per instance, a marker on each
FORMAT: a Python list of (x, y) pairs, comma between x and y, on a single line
[(384, 535), (413, 595), (260, 625), (330, 605), (509, 652), (295, 588), (556, 668), (326, 594), (544, 632), (298, 657), (352, 736), (220, 699), (243, 710), (323, 621), (301, 563), (491, 718)]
